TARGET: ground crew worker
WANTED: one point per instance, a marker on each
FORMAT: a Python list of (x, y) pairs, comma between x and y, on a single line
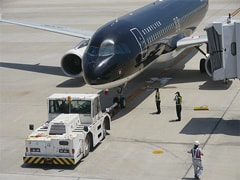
[(196, 159), (178, 99), (158, 101)]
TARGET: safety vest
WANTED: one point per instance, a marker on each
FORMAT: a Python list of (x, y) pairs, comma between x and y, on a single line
[(157, 96), (179, 100), (196, 153)]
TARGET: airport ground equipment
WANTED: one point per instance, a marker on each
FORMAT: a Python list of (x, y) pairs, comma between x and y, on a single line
[(76, 124), (224, 49)]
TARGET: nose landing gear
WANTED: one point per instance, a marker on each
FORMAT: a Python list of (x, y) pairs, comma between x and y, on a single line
[(120, 99)]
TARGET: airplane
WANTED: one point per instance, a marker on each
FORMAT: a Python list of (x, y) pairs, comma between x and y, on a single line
[(124, 47)]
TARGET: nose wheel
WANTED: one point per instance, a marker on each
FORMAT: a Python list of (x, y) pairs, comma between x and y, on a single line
[(120, 99), (121, 102)]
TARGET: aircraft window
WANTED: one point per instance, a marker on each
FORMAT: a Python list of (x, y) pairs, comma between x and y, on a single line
[(106, 48), (168, 28), (93, 50)]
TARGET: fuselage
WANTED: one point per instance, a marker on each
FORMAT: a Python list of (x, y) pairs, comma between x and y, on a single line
[(124, 47)]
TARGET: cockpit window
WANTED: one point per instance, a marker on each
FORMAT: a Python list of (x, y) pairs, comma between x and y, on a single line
[(93, 51), (106, 48)]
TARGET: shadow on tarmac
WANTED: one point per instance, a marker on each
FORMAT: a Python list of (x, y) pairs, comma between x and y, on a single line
[(177, 76), (72, 83), (51, 70), (34, 68), (215, 85), (198, 126), (50, 166)]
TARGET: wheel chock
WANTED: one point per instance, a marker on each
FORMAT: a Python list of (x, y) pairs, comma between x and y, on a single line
[(198, 108)]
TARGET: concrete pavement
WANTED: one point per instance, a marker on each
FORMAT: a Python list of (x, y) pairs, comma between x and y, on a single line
[(30, 72)]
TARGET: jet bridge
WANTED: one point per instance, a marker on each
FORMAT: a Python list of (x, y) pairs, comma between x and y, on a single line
[(224, 49)]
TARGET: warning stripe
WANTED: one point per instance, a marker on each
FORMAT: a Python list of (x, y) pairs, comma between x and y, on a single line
[(236, 12), (56, 161)]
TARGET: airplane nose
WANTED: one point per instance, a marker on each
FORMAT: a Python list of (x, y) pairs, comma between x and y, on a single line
[(97, 71)]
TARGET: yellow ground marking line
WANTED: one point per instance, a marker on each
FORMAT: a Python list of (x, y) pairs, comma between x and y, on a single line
[(137, 92), (236, 12)]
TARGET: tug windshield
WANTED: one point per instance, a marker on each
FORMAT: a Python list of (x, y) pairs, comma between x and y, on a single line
[(73, 106)]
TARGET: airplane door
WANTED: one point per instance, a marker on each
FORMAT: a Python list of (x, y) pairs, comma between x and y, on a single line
[(141, 41)]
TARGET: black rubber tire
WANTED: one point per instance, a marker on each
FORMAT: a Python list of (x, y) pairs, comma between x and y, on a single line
[(202, 65), (122, 102)]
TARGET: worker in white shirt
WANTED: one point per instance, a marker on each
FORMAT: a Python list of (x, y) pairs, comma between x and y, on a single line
[(196, 159)]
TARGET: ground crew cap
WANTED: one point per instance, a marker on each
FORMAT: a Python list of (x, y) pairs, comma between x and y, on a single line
[(196, 143)]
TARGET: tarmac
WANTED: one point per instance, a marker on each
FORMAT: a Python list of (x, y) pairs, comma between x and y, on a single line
[(140, 145)]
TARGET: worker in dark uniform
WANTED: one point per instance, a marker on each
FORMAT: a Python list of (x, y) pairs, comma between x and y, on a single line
[(196, 159), (158, 101), (178, 99)]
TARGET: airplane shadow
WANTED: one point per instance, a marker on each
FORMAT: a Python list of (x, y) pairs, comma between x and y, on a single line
[(51, 70), (71, 83), (178, 76), (34, 68), (215, 85), (198, 126), (188, 76)]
